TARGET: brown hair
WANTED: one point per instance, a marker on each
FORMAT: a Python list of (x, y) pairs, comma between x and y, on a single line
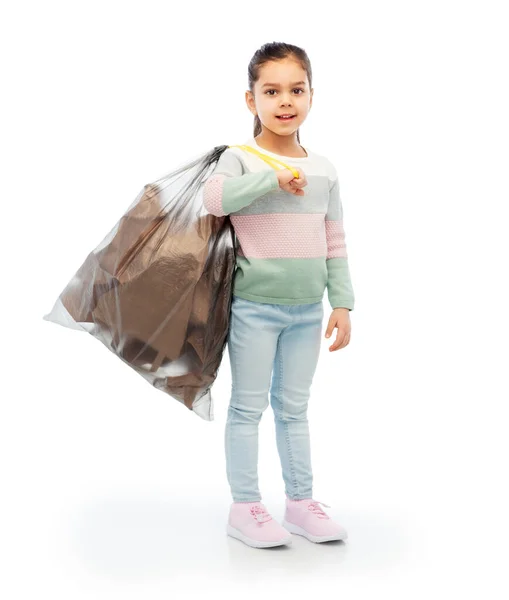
[(275, 51)]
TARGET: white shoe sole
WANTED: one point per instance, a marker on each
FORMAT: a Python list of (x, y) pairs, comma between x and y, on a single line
[(312, 538), (235, 533)]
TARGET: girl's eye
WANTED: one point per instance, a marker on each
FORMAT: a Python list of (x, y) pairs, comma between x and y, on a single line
[(300, 89)]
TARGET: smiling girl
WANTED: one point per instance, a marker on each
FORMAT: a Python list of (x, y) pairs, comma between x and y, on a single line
[(291, 247)]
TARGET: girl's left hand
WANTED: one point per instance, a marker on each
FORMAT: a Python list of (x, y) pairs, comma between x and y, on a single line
[(339, 318)]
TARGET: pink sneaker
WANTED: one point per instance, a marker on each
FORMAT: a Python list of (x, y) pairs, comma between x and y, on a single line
[(306, 518), (251, 523)]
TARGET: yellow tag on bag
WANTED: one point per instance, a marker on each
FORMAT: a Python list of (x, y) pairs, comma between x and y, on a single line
[(268, 159)]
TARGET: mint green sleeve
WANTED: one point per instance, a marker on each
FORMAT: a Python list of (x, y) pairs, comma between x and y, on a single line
[(339, 285), (230, 188)]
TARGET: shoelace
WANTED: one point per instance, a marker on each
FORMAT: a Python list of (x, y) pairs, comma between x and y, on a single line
[(260, 513), (315, 509)]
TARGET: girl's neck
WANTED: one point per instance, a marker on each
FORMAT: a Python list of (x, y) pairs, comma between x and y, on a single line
[(284, 145)]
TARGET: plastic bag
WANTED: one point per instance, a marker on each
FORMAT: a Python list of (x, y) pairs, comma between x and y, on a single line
[(157, 290)]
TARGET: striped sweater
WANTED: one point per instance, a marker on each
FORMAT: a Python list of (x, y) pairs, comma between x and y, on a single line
[(289, 248)]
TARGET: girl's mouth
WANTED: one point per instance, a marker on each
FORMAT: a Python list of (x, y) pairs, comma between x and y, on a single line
[(285, 118)]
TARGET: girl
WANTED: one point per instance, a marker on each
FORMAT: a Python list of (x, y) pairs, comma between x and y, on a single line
[(291, 246)]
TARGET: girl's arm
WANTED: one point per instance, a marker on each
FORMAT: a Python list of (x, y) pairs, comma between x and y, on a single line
[(339, 285), (229, 189)]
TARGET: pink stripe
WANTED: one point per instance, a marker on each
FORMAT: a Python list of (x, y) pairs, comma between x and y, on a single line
[(213, 194), (335, 233), (281, 235)]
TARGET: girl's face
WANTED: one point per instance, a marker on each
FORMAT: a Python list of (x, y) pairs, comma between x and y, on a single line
[(282, 88)]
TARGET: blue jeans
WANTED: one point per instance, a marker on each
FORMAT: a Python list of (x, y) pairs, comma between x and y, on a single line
[(262, 338)]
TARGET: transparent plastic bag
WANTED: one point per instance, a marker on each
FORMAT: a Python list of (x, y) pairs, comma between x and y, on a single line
[(157, 290)]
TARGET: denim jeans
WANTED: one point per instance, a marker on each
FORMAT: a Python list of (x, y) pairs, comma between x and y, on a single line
[(273, 348)]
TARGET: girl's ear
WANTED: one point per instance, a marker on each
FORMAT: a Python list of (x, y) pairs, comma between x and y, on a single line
[(250, 102)]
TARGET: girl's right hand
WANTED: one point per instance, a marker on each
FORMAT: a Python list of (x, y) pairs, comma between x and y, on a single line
[(291, 184)]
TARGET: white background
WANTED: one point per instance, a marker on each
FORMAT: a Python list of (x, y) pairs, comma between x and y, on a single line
[(111, 489)]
